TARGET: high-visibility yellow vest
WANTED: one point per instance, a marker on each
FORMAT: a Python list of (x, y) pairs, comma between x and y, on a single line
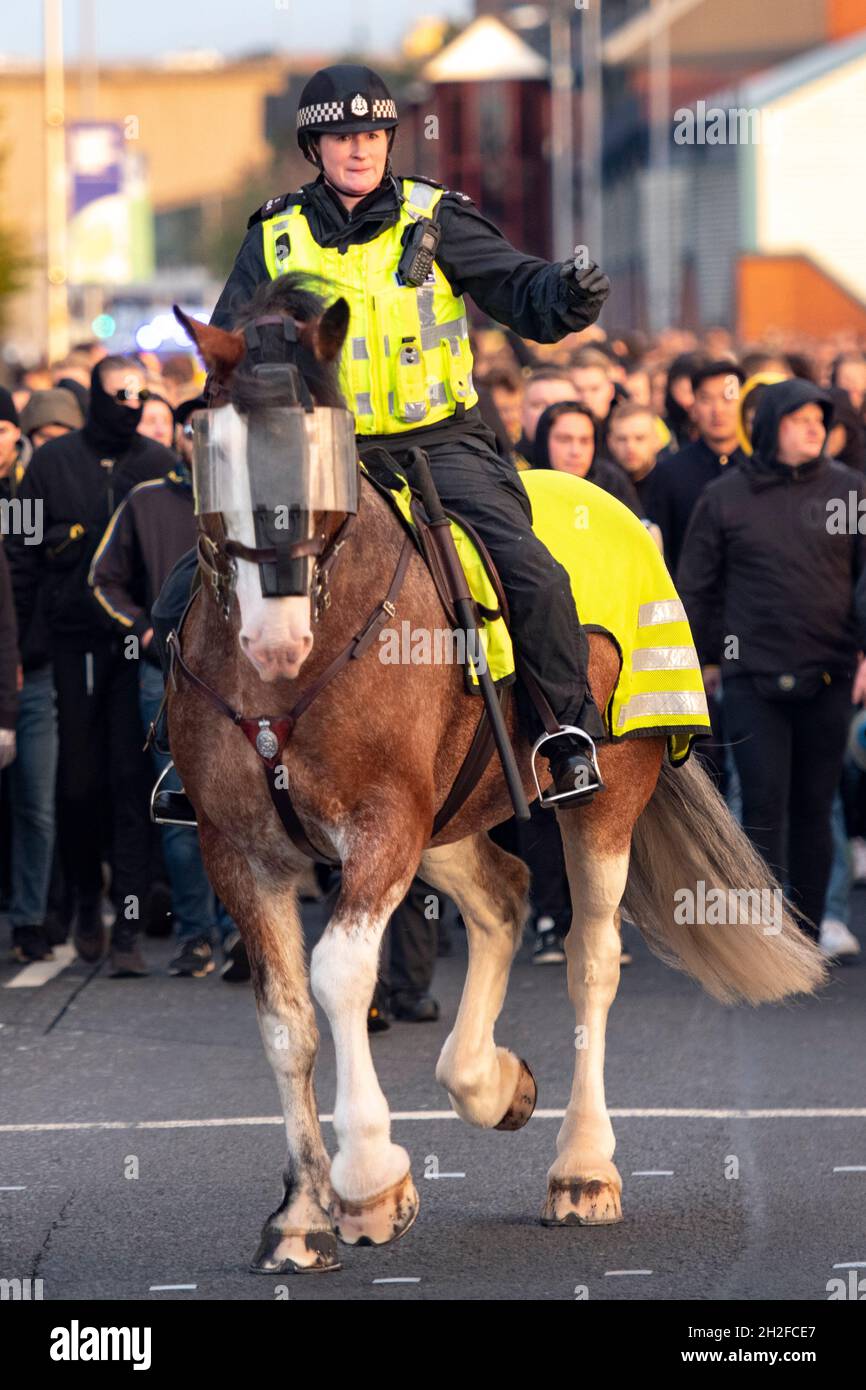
[(407, 360)]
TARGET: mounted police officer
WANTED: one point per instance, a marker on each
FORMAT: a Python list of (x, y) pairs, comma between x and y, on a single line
[(402, 252)]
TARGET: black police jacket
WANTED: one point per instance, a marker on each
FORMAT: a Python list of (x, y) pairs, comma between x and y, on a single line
[(522, 292), (773, 570)]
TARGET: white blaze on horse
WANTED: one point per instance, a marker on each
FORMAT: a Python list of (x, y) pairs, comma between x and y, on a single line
[(285, 691)]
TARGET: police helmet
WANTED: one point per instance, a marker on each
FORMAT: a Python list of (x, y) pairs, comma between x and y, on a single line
[(343, 99)]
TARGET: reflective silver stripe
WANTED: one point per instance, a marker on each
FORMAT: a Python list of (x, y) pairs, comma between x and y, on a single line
[(436, 394), (426, 314), (415, 410), (665, 659), (363, 403), (387, 345), (359, 350), (421, 195), (431, 335), (663, 702), (668, 610)]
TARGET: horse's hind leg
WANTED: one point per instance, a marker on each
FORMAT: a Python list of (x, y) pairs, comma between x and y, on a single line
[(584, 1186), (487, 1084), (375, 1200), (298, 1236)]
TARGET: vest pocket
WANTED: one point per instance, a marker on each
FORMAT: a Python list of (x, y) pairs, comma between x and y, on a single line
[(398, 327)]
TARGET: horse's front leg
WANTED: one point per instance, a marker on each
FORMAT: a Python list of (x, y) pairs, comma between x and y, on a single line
[(299, 1235), (488, 1085), (375, 1199)]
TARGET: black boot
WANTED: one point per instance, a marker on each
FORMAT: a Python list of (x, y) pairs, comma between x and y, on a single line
[(572, 757)]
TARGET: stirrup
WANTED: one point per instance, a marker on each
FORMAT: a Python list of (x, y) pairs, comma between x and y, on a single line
[(169, 807), (552, 798)]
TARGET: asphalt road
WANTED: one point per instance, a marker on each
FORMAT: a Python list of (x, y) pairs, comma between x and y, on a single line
[(166, 1078)]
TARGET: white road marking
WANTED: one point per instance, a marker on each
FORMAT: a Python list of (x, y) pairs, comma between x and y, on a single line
[(852, 1168), (397, 1281), (169, 1288), (445, 1175), (613, 1273), (852, 1264), (41, 971), (243, 1121), (13, 1189), (653, 1173)]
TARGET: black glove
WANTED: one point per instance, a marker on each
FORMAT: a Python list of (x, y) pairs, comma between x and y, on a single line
[(587, 286)]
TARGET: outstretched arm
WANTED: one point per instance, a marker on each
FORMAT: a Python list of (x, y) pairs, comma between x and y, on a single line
[(542, 300)]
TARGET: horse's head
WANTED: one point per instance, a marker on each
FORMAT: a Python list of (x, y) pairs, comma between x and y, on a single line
[(274, 465)]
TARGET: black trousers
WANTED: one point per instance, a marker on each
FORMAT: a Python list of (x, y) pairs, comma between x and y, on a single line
[(475, 481), (789, 759), (540, 846), (103, 781), (410, 944)]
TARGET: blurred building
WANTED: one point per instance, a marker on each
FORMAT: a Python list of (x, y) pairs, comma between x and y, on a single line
[(746, 232), (731, 140), (195, 125)]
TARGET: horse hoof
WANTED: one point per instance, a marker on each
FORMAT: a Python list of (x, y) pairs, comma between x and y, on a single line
[(379, 1220), (582, 1203), (522, 1102), (295, 1252)]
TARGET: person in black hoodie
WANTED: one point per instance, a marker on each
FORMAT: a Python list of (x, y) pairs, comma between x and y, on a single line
[(681, 478), (573, 430), (77, 481), (773, 577)]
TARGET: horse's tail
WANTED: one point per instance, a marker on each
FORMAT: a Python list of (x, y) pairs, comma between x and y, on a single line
[(691, 862)]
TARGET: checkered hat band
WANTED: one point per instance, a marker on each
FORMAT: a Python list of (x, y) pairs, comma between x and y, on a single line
[(384, 109), (319, 111)]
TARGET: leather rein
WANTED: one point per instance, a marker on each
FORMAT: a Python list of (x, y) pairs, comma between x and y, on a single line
[(268, 734)]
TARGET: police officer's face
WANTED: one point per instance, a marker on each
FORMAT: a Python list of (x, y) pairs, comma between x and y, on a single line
[(355, 162), (571, 444)]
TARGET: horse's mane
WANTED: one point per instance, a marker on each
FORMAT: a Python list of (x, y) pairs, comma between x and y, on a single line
[(291, 296)]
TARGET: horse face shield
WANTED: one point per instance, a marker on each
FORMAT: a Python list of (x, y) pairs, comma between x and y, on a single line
[(283, 465)]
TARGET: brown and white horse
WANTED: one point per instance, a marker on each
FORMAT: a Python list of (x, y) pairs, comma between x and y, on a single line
[(368, 766)]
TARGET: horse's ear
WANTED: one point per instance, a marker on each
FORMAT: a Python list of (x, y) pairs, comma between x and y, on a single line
[(326, 336), (221, 351)]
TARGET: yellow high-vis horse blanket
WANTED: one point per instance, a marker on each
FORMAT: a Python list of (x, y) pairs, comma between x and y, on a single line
[(622, 588)]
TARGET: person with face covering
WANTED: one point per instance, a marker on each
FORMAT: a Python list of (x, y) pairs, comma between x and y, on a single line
[(74, 483), (773, 578)]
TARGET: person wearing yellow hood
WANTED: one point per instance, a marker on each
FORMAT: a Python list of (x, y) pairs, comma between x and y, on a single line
[(750, 395)]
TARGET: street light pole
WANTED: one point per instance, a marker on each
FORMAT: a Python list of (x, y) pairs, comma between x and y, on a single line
[(561, 129), (591, 223), (57, 308), (658, 263)]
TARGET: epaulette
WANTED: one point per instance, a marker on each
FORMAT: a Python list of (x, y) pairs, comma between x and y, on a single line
[(453, 192), (275, 205), (421, 178)]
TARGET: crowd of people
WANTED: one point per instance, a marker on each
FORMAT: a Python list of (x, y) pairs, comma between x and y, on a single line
[(748, 465)]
